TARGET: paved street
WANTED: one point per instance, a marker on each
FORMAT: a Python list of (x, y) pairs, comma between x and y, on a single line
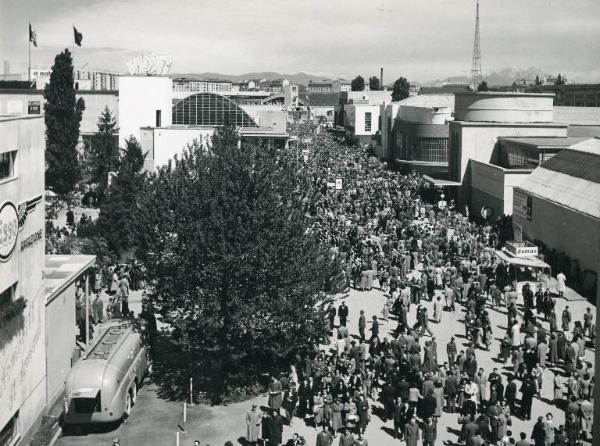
[(155, 421)]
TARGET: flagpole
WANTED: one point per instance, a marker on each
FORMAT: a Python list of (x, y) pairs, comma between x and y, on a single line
[(29, 56)]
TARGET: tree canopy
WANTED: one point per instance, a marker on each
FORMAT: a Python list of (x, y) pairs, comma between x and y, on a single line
[(233, 265), (374, 83), (118, 219), (104, 152), (401, 89), (62, 115), (483, 86), (357, 84)]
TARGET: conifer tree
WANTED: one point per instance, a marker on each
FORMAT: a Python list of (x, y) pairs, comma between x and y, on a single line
[(62, 117)]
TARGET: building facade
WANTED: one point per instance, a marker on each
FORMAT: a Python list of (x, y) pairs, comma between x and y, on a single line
[(31, 102), (22, 334), (559, 206), (202, 85), (143, 101)]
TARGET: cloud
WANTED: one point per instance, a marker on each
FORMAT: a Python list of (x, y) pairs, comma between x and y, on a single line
[(415, 38)]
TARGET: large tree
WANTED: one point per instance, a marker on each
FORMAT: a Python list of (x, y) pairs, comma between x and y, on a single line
[(118, 219), (62, 117), (483, 86), (374, 83), (232, 263), (401, 89), (104, 152), (357, 84)]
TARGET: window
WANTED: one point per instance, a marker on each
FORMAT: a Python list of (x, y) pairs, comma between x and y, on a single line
[(7, 164), (368, 116), (10, 431), (210, 109), (158, 116)]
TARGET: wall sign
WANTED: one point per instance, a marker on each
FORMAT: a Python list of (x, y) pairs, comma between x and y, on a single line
[(33, 107), (29, 241), (9, 230)]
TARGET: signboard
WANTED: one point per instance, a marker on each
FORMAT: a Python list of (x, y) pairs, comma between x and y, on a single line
[(520, 204), (9, 229), (338, 184), (33, 108)]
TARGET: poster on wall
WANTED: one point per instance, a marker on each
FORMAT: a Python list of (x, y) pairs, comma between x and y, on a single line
[(520, 201)]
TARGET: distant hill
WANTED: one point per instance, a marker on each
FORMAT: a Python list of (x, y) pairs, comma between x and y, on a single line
[(498, 78), (298, 78)]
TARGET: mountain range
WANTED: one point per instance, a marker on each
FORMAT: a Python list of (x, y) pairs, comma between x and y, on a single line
[(500, 77), (298, 78), (497, 78)]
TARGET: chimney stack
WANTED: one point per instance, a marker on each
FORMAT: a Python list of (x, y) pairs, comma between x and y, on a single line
[(381, 79)]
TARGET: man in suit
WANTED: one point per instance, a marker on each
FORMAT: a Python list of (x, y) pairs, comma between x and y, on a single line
[(429, 432), (451, 390), (362, 325), (399, 418), (324, 438), (388, 395), (451, 350), (510, 393), (343, 313)]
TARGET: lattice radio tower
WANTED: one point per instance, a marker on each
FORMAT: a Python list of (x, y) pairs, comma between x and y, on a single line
[(476, 76)]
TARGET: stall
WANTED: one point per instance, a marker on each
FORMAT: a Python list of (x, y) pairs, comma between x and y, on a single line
[(523, 255)]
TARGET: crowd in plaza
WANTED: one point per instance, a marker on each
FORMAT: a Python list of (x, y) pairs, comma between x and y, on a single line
[(413, 251)]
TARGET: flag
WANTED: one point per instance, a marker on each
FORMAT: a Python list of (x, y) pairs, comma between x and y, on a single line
[(32, 36), (78, 36)]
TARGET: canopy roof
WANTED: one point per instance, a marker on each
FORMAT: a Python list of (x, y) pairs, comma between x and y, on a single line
[(532, 262)]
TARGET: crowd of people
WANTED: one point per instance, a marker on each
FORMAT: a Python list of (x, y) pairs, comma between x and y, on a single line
[(424, 255)]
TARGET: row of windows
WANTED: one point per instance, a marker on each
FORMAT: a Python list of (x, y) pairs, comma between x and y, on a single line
[(434, 150), (513, 156), (211, 110)]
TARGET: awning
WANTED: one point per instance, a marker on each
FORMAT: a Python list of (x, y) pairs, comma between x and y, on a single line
[(532, 262), (441, 183)]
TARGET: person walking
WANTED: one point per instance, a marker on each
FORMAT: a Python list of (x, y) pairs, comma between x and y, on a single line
[(254, 419), (561, 280), (411, 432), (275, 394), (429, 432), (362, 325)]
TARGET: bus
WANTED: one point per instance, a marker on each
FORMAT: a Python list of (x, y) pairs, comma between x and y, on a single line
[(102, 387)]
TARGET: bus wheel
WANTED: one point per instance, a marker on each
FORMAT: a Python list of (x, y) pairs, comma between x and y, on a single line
[(133, 393), (127, 405)]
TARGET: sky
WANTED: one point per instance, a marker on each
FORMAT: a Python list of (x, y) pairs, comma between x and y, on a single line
[(419, 39)]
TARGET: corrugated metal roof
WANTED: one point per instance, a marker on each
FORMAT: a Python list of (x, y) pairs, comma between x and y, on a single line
[(571, 178), (574, 193), (583, 165)]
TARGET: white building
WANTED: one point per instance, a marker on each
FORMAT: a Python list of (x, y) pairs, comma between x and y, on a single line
[(22, 337), (143, 101)]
